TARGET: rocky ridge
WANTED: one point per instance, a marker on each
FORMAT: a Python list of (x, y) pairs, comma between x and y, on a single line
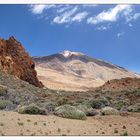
[(16, 61)]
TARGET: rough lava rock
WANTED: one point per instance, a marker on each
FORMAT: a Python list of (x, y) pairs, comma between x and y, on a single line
[(16, 61)]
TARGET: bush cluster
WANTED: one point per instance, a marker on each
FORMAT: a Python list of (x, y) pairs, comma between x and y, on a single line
[(31, 109), (70, 112)]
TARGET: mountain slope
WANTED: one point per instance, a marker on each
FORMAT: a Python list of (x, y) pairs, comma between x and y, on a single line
[(76, 71)]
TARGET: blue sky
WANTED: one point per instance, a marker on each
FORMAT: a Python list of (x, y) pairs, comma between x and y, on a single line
[(108, 32)]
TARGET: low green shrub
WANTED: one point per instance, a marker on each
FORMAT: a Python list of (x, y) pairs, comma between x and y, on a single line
[(134, 108), (70, 112), (20, 123), (86, 103), (125, 133), (31, 109), (99, 103), (89, 111), (115, 130), (62, 101), (49, 106), (109, 111), (4, 104), (80, 101), (72, 103), (121, 103), (109, 98), (137, 92), (3, 90)]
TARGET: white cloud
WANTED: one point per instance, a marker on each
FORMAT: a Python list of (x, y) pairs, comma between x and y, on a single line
[(136, 16), (38, 9), (111, 15), (130, 25), (62, 14), (63, 9), (65, 17), (80, 16), (120, 34), (133, 17), (103, 27), (66, 14)]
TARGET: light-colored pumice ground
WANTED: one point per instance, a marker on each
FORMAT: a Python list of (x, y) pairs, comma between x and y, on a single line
[(12, 123)]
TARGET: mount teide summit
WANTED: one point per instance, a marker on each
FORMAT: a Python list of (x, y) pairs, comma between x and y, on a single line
[(76, 71)]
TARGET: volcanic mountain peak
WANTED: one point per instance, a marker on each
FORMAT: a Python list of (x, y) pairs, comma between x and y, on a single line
[(76, 71), (67, 53)]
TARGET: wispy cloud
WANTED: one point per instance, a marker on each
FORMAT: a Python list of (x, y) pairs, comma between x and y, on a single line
[(68, 14), (111, 15), (136, 16), (65, 17), (104, 27), (130, 25), (62, 14), (38, 9), (120, 34), (63, 9), (133, 17), (80, 16)]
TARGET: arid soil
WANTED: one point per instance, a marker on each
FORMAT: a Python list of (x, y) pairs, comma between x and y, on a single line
[(64, 81), (12, 123)]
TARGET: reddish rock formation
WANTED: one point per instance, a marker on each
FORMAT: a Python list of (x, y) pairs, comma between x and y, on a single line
[(16, 61), (122, 84)]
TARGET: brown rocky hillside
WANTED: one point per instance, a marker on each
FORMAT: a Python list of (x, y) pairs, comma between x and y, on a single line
[(122, 84), (16, 61)]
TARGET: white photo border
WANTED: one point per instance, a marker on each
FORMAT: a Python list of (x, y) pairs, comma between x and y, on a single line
[(69, 1)]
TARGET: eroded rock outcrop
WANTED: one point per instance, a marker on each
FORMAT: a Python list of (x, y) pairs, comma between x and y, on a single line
[(16, 61), (121, 84)]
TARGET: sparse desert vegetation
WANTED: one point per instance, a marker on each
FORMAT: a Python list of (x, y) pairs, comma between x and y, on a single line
[(97, 125)]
